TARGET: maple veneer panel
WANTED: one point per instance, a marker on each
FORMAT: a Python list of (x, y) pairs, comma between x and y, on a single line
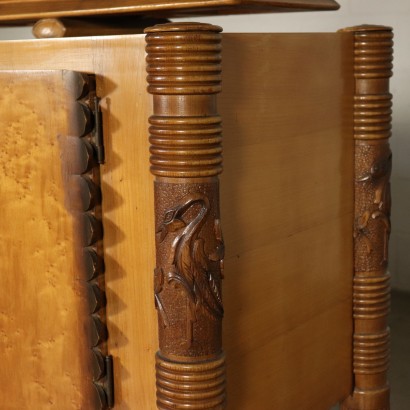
[(126, 184), (43, 343), (286, 212)]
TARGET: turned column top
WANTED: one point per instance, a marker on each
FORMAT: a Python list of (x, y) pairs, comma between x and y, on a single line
[(364, 28), (183, 27), (184, 58)]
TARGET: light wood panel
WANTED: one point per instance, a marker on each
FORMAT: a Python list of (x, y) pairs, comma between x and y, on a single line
[(287, 203), (286, 213), (44, 348)]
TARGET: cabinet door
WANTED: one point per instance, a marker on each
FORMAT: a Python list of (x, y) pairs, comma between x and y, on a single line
[(118, 63), (48, 222)]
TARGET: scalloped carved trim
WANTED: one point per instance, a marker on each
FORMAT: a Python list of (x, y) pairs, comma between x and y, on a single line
[(84, 202)]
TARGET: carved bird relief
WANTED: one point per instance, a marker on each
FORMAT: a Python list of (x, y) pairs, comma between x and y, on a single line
[(190, 267), (379, 174)]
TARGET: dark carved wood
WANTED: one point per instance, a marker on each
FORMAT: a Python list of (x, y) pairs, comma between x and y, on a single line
[(82, 172), (184, 67), (371, 295)]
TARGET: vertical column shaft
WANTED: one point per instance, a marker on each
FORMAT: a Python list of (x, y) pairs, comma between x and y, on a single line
[(184, 75), (371, 289)]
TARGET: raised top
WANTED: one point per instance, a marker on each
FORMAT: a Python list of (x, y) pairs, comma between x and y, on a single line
[(182, 27), (26, 11)]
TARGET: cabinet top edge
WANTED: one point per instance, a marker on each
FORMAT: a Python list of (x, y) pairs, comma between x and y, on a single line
[(13, 12)]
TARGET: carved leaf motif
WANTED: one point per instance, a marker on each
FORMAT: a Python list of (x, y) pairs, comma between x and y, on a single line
[(215, 288), (174, 276), (360, 232), (158, 287), (387, 227)]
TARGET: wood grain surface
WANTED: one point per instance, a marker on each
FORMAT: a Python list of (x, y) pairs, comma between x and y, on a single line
[(287, 211), (43, 309), (21, 11)]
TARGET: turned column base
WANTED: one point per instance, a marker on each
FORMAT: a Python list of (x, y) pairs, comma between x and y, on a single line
[(368, 400), (185, 385)]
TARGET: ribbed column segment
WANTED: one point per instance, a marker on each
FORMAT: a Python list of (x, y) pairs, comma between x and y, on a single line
[(371, 353), (186, 146), (371, 296), (373, 52), (194, 386), (186, 59), (372, 116)]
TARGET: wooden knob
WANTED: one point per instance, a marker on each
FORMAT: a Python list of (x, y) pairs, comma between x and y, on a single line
[(49, 28)]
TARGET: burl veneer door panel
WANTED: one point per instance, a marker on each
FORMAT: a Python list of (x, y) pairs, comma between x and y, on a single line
[(287, 212), (44, 342), (127, 196)]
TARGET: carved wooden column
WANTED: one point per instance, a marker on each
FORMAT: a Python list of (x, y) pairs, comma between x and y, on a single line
[(371, 295), (184, 75)]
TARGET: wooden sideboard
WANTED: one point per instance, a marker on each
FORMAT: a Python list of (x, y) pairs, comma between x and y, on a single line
[(89, 248)]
